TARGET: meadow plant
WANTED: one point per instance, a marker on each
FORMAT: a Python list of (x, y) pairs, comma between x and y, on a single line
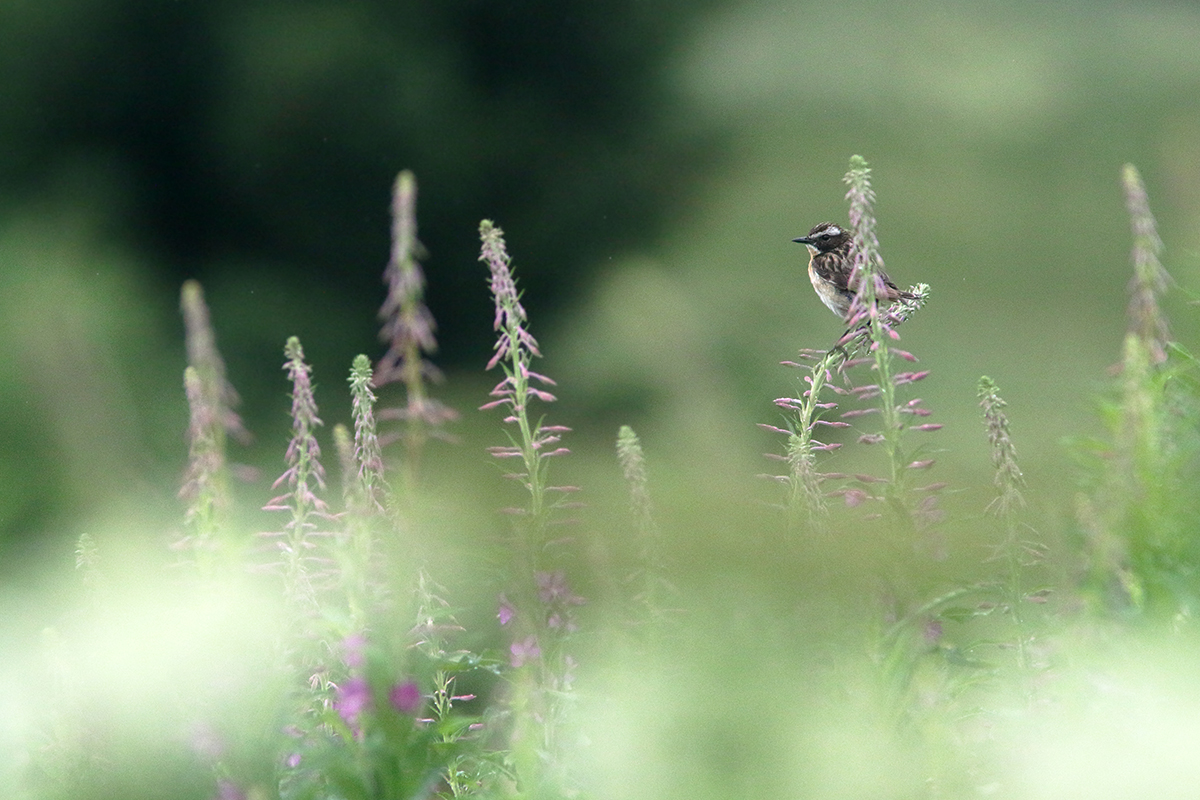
[(1139, 516), (649, 590), (538, 607), (302, 564), (408, 329), (212, 419), (1016, 551), (869, 340), (364, 493)]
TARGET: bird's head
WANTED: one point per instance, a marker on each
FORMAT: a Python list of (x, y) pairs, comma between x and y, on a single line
[(824, 238)]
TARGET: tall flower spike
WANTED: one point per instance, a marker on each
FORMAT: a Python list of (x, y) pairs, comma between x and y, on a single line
[(515, 349), (868, 264), (649, 580), (211, 400), (408, 328), (205, 486), (367, 453), (510, 314), (1009, 479), (633, 465), (1150, 279), (537, 609), (202, 355), (303, 476)]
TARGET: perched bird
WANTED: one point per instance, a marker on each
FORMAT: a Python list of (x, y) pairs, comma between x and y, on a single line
[(829, 265)]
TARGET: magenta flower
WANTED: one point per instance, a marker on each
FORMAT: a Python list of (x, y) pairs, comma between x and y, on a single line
[(405, 698)]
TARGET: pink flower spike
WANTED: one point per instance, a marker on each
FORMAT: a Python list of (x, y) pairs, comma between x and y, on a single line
[(562, 451), (493, 404), (921, 464), (907, 356), (930, 426), (555, 429), (772, 428)]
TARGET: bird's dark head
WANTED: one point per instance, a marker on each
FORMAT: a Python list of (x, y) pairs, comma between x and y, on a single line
[(824, 238)]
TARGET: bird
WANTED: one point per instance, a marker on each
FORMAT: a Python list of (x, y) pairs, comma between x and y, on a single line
[(830, 262)]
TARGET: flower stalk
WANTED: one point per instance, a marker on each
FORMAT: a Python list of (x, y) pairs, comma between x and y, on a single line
[(408, 328)]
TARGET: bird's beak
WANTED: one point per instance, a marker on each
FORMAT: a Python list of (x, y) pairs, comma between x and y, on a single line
[(802, 240)]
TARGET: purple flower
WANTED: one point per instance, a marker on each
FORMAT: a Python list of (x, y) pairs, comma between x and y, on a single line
[(524, 651), (510, 314), (405, 697), (353, 698)]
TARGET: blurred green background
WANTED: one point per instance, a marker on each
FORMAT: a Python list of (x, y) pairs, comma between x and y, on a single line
[(649, 162)]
